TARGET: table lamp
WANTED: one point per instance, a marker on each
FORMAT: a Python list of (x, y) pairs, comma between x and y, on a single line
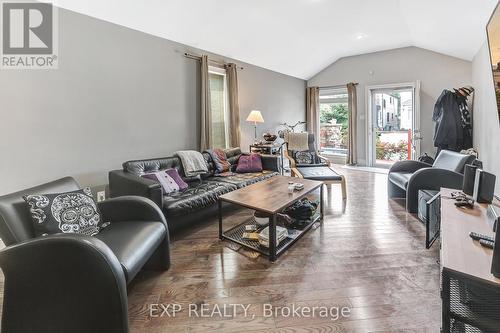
[(256, 117)]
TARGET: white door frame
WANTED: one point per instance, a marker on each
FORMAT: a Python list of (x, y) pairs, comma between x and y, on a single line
[(370, 161)]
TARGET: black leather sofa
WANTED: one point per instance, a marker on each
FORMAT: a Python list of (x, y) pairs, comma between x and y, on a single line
[(406, 178), (184, 208), (72, 282)]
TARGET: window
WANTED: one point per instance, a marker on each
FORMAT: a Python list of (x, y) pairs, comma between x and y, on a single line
[(219, 105)]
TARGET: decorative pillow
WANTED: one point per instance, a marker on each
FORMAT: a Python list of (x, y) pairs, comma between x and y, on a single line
[(249, 163), (69, 212), (304, 157), (220, 160), (177, 178), (167, 182)]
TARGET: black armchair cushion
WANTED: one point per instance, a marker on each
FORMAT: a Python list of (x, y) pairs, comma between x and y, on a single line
[(319, 173), (400, 178), (244, 179), (133, 243), (68, 212), (453, 161), (200, 194)]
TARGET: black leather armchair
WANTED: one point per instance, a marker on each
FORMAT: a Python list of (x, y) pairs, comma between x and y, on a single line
[(406, 178), (71, 282)]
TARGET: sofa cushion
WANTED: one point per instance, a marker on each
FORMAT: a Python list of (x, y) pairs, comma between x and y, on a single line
[(232, 155), (220, 160), (249, 163), (200, 194), (133, 243), (453, 161), (244, 179), (167, 183), (400, 178)]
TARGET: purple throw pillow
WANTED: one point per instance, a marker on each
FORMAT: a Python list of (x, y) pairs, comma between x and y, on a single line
[(177, 178), (169, 179), (249, 163), (220, 160)]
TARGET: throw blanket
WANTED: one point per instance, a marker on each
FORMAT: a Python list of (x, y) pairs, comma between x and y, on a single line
[(297, 141), (193, 162)]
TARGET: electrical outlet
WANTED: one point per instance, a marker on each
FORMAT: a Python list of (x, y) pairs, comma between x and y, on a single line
[(101, 196)]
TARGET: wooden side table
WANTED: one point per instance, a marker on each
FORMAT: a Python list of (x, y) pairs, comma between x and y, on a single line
[(269, 149)]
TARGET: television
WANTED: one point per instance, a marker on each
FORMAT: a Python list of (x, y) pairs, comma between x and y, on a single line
[(493, 32)]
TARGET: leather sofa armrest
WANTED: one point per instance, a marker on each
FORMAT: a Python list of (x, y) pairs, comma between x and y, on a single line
[(270, 162), (408, 166), (74, 282), (131, 208), (123, 183), (430, 179)]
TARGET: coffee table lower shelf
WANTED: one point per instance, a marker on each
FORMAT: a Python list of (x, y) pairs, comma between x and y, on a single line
[(235, 234)]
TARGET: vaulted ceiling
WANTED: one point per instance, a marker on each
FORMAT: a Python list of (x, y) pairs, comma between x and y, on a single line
[(301, 37)]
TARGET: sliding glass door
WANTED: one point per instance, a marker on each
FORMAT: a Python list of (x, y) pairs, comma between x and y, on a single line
[(334, 124)]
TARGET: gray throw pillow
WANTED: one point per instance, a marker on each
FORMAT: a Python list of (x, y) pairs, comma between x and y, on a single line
[(304, 157)]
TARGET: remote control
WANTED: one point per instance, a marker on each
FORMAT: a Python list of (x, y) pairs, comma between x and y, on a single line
[(476, 236), (486, 243)]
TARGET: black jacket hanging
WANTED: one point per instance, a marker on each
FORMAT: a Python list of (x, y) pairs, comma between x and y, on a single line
[(448, 131), (466, 122)]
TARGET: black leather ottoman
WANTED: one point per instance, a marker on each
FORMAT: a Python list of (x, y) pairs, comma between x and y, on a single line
[(321, 173)]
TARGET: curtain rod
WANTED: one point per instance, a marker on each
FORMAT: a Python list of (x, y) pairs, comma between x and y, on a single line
[(197, 57), (338, 86)]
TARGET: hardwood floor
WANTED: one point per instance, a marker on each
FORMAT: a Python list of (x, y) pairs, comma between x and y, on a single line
[(368, 256)]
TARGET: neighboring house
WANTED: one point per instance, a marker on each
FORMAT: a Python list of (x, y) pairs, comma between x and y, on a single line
[(387, 111), (406, 114)]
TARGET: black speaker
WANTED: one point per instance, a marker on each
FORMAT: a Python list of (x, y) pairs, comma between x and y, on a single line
[(484, 186), (469, 178), (495, 261)]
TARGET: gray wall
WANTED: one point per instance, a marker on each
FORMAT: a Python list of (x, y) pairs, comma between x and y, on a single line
[(435, 71), (118, 94), (486, 124)]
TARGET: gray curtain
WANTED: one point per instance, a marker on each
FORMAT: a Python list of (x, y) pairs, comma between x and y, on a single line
[(206, 113), (352, 152), (312, 113), (234, 107)]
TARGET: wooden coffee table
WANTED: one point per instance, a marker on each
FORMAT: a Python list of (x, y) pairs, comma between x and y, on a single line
[(269, 196)]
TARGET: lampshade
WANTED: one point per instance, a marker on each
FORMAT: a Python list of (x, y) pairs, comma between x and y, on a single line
[(255, 116)]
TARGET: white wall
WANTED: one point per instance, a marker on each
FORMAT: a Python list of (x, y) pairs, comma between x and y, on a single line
[(486, 123), (118, 94), (435, 71)]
